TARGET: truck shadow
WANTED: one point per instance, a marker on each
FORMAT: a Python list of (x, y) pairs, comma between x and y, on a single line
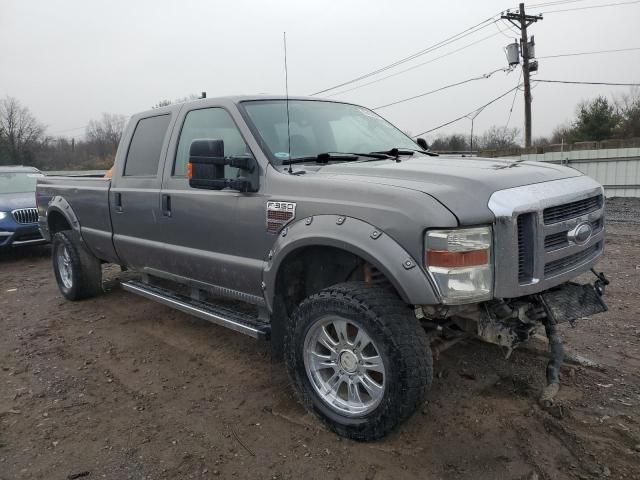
[(25, 253)]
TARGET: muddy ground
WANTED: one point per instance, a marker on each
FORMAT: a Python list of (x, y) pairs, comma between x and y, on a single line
[(119, 387)]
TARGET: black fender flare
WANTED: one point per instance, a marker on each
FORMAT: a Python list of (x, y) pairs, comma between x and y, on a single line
[(360, 238), (60, 205)]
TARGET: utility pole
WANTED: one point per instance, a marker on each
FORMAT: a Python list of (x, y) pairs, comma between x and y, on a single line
[(521, 20)]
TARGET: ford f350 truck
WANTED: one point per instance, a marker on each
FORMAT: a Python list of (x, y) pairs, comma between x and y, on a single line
[(346, 244)]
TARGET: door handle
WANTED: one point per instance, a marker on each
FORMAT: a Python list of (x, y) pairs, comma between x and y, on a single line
[(166, 205), (117, 200)]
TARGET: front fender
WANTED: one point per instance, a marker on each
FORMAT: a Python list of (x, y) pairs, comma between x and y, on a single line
[(360, 238)]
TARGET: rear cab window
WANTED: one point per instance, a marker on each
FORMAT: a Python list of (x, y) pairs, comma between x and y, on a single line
[(145, 149)]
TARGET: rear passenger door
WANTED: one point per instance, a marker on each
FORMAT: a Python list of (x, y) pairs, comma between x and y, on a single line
[(135, 192)]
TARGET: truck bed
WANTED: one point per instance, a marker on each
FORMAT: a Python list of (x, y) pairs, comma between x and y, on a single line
[(88, 197)]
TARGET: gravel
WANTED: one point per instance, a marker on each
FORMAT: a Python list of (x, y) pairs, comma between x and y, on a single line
[(623, 210)]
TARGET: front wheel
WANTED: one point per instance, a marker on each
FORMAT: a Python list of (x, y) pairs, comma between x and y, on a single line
[(358, 359)]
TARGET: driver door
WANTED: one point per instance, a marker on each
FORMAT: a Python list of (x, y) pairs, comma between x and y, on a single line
[(206, 239)]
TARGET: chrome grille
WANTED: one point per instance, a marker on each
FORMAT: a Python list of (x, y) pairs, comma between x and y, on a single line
[(561, 239), (525, 247), (571, 210), (25, 215), (566, 263), (555, 240), (534, 234), (560, 253)]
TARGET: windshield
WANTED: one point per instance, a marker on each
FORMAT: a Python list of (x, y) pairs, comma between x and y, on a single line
[(18, 182), (320, 127)]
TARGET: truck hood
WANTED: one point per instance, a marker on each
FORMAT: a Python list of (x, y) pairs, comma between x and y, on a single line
[(462, 184), (11, 201)]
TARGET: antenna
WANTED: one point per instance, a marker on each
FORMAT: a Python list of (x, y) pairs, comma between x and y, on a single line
[(286, 87)]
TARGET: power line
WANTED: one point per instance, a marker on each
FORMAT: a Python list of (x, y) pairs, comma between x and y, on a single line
[(431, 48), (592, 6), (576, 54), (439, 89), (589, 83), (502, 31), (126, 117), (513, 102), (549, 4), (69, 130), (466, 115), (414, 66)]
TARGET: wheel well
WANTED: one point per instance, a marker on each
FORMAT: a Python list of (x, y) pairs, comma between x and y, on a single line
[(309, 270), (57, 223)]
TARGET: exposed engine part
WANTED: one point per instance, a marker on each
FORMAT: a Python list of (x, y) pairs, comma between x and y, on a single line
[(434, 312), (511, 322), (502, 323), (553, 367)]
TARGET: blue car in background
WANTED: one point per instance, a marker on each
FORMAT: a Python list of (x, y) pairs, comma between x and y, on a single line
[(18, 212)]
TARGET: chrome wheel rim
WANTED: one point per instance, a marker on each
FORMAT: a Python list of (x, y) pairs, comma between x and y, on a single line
[(64, 267), (344, 366)]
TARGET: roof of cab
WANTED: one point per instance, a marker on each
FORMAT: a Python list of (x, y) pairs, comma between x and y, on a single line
[(226, 99)]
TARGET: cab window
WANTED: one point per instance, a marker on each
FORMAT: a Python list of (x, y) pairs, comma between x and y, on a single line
[(213, 124), (145, 148)]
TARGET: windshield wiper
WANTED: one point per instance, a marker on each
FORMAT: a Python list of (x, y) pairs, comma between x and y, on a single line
[(329, 156), (396, 152)]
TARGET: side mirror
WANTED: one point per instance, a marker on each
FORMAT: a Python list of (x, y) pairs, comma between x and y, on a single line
[(206, 167), (422, 143)]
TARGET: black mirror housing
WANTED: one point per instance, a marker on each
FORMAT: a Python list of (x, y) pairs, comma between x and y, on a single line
[(422, 143), (206, 167)]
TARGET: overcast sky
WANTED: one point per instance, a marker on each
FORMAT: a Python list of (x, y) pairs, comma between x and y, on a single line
[(69, 61)]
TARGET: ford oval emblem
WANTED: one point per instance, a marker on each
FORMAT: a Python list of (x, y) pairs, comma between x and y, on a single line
[(581, 234)]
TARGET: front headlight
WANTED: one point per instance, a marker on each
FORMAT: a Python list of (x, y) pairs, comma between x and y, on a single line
[(460, 262), (3, 215)]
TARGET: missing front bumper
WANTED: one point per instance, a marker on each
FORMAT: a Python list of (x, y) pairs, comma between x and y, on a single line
[(572, 301)]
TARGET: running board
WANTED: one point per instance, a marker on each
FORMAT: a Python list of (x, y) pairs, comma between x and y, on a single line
[(238, 321)]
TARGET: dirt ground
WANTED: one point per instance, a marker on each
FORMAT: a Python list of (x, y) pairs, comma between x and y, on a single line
[(119, 387)]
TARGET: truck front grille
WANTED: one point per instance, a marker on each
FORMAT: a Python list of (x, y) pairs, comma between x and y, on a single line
[(525, 247), (539, 238), (567, 263), (559, 254), (25, 215), (561, 239), (571, 210), (555, 241)]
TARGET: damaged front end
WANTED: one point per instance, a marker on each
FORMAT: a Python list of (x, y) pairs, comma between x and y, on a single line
[(509, 323)]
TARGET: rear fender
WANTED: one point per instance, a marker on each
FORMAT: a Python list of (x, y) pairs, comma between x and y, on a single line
[(59, 205)]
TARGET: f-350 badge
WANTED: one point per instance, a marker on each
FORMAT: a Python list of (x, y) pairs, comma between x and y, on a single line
[(279, 214)]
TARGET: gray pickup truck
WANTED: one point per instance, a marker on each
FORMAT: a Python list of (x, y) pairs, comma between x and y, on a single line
[(323, 228)]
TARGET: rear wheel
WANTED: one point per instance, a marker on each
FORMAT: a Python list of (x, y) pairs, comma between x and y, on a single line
[(77, 271), (358, 359)]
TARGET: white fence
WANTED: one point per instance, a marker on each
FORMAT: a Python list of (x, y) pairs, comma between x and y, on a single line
[(617, 169)]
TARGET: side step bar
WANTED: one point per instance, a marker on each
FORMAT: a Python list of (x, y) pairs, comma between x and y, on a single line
[(238, 321)]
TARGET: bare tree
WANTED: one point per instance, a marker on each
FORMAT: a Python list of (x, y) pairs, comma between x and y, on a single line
[(540, 142), (455, 142), (164, 102), (498, 138), (20, 132), (104, 134)]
